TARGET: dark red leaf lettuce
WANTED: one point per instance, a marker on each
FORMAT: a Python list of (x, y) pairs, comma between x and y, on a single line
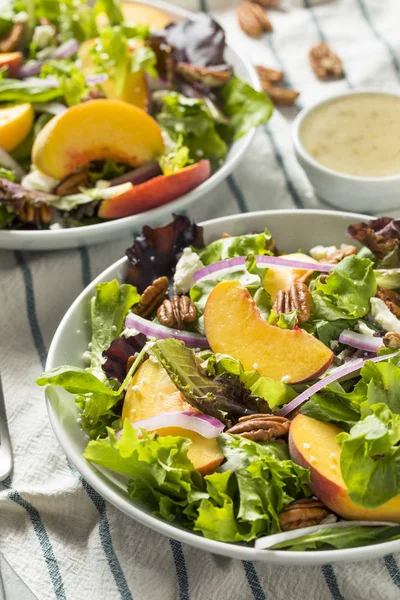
[(381, 236), (155, 252), (119, 352)]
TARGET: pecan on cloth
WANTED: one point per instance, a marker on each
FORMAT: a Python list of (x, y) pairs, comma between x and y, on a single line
[(325, 62), (176, 312), (253, 19), (152, 297), (303, 513), (297, 298), (261, 427)]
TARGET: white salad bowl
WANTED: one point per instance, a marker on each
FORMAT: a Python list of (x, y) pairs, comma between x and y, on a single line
[(100, 232), (292, 230)]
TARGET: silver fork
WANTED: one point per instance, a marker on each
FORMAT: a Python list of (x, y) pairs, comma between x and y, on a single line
[(5, 443)]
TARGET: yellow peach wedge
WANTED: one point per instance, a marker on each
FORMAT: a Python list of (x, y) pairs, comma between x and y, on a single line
[(136, 12), (151, 392), (96, 130), (234, 326), (15, 124), (279, 278), (312, 445)]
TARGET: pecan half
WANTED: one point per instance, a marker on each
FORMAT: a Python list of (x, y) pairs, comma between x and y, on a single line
[(281, 96), (267, 3), (269, 75), (13, 39), (391, 340), (207, 76), (94, 94), (340, 254), (176, 312), (253, 20), (391, 299), (325, 62), (260, 427), (41, 214), (152, 297), (303, 513), (297, 298), (72, 183)]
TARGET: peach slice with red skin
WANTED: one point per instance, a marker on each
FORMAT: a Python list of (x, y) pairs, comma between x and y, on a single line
[(96, 130), (234, 326), (151, 392), (155, 192), (313, 446), (11, 60)]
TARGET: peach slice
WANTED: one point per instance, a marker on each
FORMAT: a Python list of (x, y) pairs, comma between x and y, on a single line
[(312, 445), (155, 192), (234, 326), (11, 60), (151, 392), (15, 124), (135, 89), (278, 278), (135, 12), (96, 130)]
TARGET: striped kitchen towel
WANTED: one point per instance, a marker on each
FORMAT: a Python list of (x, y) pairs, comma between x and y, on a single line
[(61, 538)]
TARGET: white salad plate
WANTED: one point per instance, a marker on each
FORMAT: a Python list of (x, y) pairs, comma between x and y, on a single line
[(101, 232), (293, 230)]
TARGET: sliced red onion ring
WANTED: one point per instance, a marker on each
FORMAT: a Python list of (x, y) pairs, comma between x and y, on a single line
[(53, 108), (368, 343), (340, 372), (140, 174), (161, 332), (94, 79), (268, 541), (30, 68), (8, 161), (273, 261), (204, 425), (66, 49)]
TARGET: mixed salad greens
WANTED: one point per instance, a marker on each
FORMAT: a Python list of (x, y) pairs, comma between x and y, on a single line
[(110, 110), (179, 399)]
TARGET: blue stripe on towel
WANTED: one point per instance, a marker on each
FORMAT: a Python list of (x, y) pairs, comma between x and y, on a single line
[(331, 582), (180, 567), (393, 569), (43, 538), (368, 20), (237, 194), (253, 580)]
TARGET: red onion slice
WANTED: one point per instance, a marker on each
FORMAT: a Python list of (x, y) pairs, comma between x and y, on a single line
[(273, 261), (266, 542), (66, 49), (97, 78), (161, 332), (206, 426), (340, 372), (139, 175), (368, 343), (30, 68)]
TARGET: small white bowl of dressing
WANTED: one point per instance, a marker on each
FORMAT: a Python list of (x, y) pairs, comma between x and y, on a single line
[(349, 147)]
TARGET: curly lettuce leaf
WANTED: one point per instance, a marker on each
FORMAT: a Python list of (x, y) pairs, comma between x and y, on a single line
[(346, 292), (71, 79), (383, 384), (240, 245), (245, 107), (159, 471), (246, 504), (334, 405), (176, 158), (370, 458)]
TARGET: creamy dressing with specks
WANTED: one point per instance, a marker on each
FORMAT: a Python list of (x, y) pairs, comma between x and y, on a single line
[(357, 134)]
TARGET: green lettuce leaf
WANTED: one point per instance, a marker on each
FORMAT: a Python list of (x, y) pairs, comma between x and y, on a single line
[(190, 120), (328, 331), (110, 54), (246, 504), (70, 77), (334, 405), (109, 308), (345, 537), (273, 391), (370, 458), (112, 9), (29, 90), (240, 245), (144, 59), (6, 215), (176, 158), (346, 292), (284, 320), (159, 471), (245, 107), (383, 384)]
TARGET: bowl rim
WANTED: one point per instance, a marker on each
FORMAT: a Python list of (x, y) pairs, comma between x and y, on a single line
[(108, 490), (306, 156), (113, 225)]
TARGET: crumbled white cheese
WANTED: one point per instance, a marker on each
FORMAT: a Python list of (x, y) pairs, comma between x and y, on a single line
[(320, 252), (306, 445), (364, 329), (21, 17), (285, 379), (255, 366), (135, 388), (334, 344), (43, 35), (128, 332), (187, 265), (312, 459), (36, 180), (383, 316)]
